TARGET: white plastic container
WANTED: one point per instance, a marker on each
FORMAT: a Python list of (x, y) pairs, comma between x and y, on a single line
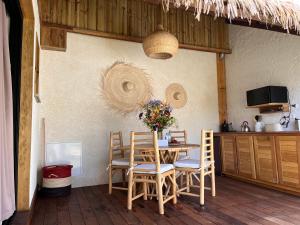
[(259, 126), (273, 127)]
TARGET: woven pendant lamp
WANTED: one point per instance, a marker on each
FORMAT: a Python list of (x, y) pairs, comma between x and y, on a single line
[(160, 44)]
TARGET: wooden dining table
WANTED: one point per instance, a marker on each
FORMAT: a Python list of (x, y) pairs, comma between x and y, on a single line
[(168, 154)]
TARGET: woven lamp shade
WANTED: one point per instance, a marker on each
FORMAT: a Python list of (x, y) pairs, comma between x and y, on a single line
[(160, 44)]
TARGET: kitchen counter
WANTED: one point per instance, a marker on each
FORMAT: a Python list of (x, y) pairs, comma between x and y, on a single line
[(273, 133)]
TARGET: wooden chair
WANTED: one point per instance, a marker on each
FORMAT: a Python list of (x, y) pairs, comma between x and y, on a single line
[(198, 169), (145, 168), (117, 160), (181, 137)]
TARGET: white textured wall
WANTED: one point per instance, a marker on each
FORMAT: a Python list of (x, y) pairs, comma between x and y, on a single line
[(35, 136), (260, 58), (75, 111)]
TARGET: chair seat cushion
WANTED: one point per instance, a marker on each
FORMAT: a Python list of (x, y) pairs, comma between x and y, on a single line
[(152, 168), (182, 157), (190, 163), (120, 162)]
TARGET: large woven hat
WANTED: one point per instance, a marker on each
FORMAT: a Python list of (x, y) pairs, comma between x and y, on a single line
[(176, 95), (125, 87)]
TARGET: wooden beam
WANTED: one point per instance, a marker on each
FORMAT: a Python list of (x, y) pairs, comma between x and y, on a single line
[(25, 106), (25, 115), (53, 38), (221, 79), (27, 9)]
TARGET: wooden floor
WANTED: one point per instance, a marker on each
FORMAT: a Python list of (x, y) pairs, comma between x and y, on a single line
[(236, 203)]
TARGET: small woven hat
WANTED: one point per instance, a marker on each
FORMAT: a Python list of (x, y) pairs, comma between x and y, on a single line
[(125, 87), (176, 95)]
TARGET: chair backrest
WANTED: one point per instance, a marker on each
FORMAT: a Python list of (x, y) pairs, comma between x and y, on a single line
[(207, 146), (180, 136), (144, 150), (116, 142)]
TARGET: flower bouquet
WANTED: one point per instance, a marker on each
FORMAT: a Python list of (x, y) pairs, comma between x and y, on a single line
[(157, 116)]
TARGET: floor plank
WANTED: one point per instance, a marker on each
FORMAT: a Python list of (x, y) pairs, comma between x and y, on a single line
[(236, 203)]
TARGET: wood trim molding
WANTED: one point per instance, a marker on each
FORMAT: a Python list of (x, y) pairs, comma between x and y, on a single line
[(25, 106), (221, 79)]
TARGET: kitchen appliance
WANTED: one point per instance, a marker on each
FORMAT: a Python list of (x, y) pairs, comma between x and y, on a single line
[(297, 121), (245, 127), (226, 127), (273, 127), (266, 95), (259, 125)]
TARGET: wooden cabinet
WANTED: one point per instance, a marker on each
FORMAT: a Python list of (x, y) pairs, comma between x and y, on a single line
[(288, 155), (245, 156), (229, 161), (265, 158), (270, 159)]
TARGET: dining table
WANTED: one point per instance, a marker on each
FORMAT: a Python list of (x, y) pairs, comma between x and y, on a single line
[(169, 153)]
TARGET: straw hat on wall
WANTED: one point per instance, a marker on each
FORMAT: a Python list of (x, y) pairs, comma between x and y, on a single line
[(176, 95), (125, 87)]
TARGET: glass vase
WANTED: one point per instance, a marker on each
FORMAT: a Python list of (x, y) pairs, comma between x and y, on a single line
[(160, 135)]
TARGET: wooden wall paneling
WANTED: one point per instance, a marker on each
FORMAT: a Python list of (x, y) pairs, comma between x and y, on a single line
[(229, 158), (59, 11), (221, 80), (136, 19), (100, 15), (92, 15), (265, 158), (245, 156), (288, 154)]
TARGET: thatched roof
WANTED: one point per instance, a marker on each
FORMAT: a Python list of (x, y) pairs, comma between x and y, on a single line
[(285, 13)]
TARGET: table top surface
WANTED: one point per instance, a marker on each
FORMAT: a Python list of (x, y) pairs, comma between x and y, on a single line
[(171, 147)]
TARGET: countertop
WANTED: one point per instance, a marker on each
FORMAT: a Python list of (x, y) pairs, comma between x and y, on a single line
[(284, 133)]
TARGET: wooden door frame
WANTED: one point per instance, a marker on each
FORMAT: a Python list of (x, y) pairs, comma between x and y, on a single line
[(27, 63)]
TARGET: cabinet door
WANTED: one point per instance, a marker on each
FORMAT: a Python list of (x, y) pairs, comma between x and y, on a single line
[(288, 150), (228, 149), (245, 156), (265, 158)]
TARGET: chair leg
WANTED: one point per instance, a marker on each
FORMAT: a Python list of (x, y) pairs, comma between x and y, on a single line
[(174, 188), (130, 191), (202, 185), (124, 177), (213, 181), (110, 180), (145, 189), (160, 194), (187, 181)]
